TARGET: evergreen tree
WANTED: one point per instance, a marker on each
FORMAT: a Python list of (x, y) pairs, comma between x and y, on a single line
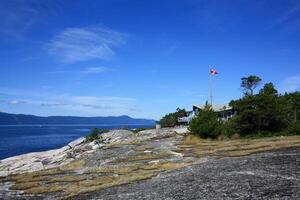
[(249, 84), (206, 123), (171, 119)]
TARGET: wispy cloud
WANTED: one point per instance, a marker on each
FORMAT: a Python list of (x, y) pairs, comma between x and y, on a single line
[(94, 104), (81, 105), (85, 71), (286, 16), (290, 84), (290, 13), (47, 104), (13, 22), (13, 102), (18, 16), (95, 70), (82, 44)]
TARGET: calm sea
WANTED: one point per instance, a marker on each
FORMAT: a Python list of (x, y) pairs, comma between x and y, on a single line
[(16, 140)]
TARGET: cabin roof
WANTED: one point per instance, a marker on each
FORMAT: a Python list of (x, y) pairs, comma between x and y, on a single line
[(216, 108)]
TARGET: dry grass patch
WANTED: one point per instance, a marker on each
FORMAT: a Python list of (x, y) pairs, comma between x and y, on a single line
[(143, 157), (135, 173), (137, 167), (43, 189), (115, 169), (74, 165), (104, 182), (24, 186), (69, 185), (194, 146), (67, 178), (42, 175)]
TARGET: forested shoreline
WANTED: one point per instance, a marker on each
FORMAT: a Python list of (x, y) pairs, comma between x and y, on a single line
[(265, 113)]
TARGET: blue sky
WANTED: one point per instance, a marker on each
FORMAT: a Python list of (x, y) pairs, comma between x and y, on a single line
[(141, 58)]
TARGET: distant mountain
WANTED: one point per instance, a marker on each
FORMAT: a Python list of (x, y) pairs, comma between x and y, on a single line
[(19, 119)]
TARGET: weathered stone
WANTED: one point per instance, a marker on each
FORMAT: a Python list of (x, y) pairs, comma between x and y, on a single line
[(39, 160), (98, 146), (271, 175), (161, 164)]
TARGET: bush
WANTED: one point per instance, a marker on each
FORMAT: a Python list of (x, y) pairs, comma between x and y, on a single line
[(95, 134), (171, 119), (206, 124), (261, 134), (229, 128), (294, 128)]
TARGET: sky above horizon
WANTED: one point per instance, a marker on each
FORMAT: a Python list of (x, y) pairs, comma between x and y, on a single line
[(141, 58)]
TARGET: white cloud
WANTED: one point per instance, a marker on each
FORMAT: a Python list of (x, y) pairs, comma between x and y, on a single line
[(95, 70), (66, 103), (51, 104), (82, 44), (291, 84), (86, 71), (13, 102)]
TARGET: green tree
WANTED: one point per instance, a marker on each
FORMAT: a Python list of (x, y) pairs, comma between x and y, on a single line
[(294, 102), (95, 134), (248, 115), (269, 89), (206, 123), (171, 119), (269, 109), (261, 112), (249, 84)]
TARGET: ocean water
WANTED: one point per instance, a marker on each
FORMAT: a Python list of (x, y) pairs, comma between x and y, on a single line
[(20, 139)]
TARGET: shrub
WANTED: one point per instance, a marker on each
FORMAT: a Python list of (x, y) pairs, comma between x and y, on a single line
[(171, 119), (229, 128), (261, 134), (206, 124), (294, 128), (95, 134)]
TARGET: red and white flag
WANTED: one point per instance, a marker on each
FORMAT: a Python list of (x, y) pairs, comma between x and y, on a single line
[(212, 71)]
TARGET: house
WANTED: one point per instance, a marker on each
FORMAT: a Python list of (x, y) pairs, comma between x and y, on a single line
[(187, 119), (224, 113)]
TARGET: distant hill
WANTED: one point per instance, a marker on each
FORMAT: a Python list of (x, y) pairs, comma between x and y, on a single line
[(19, 119)]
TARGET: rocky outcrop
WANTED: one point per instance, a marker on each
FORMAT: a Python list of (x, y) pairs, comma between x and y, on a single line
[(43, 160), (54, 158), (162, 164)]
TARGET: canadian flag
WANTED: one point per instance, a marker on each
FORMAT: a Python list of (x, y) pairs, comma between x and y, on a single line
[(212, 71)]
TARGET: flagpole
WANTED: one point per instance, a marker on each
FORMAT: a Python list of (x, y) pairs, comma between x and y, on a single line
[(210, 83)]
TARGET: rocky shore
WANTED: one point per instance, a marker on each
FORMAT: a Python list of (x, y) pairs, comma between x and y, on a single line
[(55, 158), (155, 164)]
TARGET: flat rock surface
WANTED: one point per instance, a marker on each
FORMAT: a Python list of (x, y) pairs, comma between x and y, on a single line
[(269, 175), (158, 164)]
